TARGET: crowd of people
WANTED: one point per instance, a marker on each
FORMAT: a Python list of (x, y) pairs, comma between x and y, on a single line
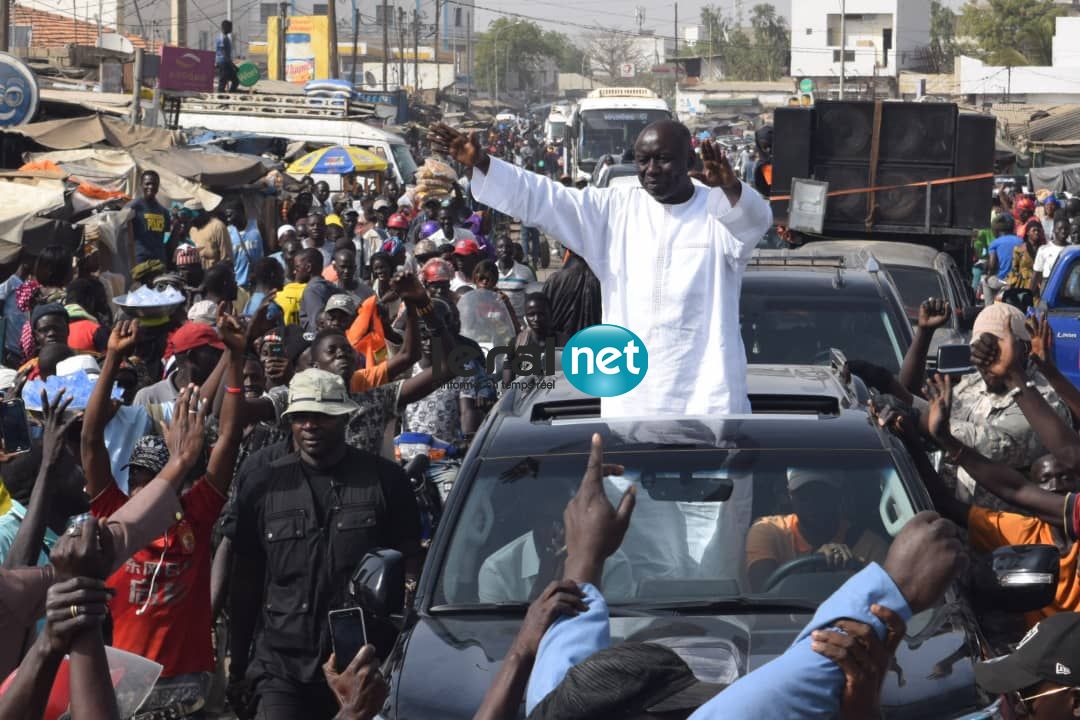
[(200, 480)]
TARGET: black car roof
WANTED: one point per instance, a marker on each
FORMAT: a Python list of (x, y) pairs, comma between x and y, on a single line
[(801, 407), (812, 281)]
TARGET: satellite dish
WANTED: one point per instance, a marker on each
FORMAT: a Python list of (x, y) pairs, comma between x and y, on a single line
[(18, 91), (117, 42), (369, 77)]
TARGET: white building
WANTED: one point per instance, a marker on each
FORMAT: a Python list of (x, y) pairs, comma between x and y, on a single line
[(1057, 83), (880, 38)]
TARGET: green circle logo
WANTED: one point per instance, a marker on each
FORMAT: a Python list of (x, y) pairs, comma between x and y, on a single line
[(248, 74)]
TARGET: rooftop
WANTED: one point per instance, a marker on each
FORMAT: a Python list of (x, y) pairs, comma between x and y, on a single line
[(49, 30)]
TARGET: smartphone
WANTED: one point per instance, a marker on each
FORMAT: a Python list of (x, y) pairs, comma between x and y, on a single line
[(14, 427), (275, 348), (348, 634), (954, 360)]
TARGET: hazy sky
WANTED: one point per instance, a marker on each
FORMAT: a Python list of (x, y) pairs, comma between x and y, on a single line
[(569, 16)]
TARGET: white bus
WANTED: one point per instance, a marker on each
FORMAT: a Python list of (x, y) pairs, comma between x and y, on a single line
[(607, 122)]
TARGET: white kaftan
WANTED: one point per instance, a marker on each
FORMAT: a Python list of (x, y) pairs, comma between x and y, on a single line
[(669, 273)]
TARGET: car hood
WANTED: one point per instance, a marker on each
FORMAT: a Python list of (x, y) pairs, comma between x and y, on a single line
[(448, 663)]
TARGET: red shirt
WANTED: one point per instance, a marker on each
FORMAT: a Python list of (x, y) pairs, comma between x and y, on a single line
[(175, 629)]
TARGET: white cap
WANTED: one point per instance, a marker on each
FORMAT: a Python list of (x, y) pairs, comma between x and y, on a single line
[(284, 229), (405, 200), (75, 363)]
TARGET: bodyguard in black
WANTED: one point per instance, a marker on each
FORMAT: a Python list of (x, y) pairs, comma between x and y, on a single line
[(300, 532)]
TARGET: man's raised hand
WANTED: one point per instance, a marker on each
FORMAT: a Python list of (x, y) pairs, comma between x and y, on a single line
[(933, 313), (466, 149), (716, 169), (924, 558), (123, 337), (594, 529), (186, 433)]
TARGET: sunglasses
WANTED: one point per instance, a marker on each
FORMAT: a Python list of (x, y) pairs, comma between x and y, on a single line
[(1024, 702)]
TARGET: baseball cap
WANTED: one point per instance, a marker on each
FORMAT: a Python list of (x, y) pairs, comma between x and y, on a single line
[(629, 680), (47, 309), (381, 203), (192, 335), (343, 302), (437, 270), (1002, 321), (425, 247), (284, 229), (1050, 652), (466, 246), (318, 391), (75, 363), (150, 453), (1051, 200), (798, 477), (334, 219), (204, 311)]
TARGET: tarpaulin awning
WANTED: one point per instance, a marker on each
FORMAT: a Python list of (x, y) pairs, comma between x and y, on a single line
[(216, 169), (1058, 178), (81, 132), (20, 203)]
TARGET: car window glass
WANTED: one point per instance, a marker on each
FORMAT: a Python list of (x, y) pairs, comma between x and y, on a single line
[(684, 542), (800, 330), (1070, 289), (915, 286)]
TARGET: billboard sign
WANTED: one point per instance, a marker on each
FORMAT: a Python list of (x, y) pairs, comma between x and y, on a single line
[(186, 70), (19, 86)]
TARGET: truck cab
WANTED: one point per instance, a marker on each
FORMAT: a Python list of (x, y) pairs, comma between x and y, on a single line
[(1061, 302)]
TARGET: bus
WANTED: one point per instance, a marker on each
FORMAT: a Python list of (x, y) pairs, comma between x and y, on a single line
[(607, 122)]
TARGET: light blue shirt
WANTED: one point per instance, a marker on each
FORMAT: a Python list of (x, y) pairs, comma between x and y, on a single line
[(129, 424), (9, 528), (800, 683), (247, 250), (14, 316)]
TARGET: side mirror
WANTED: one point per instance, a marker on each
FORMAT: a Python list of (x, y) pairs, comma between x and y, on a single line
[(378, 584), (1017, 578)]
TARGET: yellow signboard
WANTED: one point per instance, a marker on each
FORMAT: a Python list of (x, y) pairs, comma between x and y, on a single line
[(307, 47)]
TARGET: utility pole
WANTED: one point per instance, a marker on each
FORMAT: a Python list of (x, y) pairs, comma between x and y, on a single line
[(416, 50), (136, 86), (843, 43), (402, 29), (178, 13), (5, 25), (331, 23), (355, 41), (676, 63), (385, 41), (283, 26), (228, 10), (469, 54)]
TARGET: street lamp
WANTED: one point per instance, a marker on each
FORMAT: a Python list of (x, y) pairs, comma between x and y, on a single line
[(495, 52)]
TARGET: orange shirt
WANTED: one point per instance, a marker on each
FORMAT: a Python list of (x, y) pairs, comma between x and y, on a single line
[(777, 538), (988, 529), (366, 379)]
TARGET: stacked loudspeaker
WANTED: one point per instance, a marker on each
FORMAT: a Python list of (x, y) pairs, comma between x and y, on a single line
[(832, 141)]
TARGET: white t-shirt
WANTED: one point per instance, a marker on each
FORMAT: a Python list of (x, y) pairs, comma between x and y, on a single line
[(1045, 258), (460, 233)]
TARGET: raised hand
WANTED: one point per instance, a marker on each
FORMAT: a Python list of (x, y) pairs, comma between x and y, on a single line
[(1042, 339), (939, 391), (594, 529), (934, 313), (360, 689), (56, 426), (559, 598), (1001, 358), (925, 558), (716, 169), (123, 337), (81, 552), (72, 606), (466, 149), (260, 322), (232, 330), (409, 288), (863, 657)]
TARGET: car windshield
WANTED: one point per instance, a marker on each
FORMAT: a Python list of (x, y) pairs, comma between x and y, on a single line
[(405, 162), (613, 132), (916, 285), (710, 525), (800, 330)]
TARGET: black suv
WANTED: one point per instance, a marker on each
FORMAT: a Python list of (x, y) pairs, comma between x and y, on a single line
[(681, 573), (795, 308)]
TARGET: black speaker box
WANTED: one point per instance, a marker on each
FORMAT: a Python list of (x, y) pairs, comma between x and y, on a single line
[(975, 148), (916, 133), (897, 207)]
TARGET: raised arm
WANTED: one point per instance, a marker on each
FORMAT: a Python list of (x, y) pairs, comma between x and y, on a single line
[(219, 471), (410, 289), (27, 545), (95, 456), (933, 314), (1042, 355), (185, 436), (738, 207), (1000, 479), (579, 218)]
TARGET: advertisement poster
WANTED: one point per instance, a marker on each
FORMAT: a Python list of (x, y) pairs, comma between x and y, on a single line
[(184, 69), (307, 49)]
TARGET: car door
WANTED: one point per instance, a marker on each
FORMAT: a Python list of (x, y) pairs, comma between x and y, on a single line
[(1061, 302)]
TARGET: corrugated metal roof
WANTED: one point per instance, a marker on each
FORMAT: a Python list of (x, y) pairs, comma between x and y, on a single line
[(1060, 125), (49, 30)]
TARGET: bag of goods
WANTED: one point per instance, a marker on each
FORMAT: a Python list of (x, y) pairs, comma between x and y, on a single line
[(434, 178)]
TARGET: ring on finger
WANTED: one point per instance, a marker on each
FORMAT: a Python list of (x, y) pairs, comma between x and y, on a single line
[(74, 611)]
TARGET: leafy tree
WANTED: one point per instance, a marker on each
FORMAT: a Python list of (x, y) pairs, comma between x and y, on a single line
[(772, 43), (760, 52), (511, 47), (1010, 32), (568, 56), (611, 48), (942, 50)]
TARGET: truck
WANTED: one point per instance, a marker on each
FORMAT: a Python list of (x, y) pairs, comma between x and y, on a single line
[(314, 120), (607, 122), (1061, 303)]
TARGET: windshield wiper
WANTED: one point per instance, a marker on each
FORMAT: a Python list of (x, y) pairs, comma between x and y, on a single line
[(503, 608), (739, 605)]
